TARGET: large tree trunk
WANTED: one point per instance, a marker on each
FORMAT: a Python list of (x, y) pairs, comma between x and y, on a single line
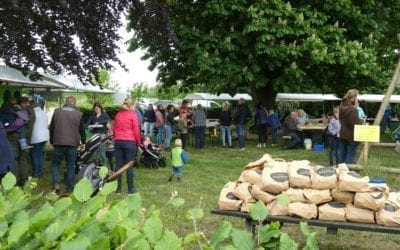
[(264, 95)]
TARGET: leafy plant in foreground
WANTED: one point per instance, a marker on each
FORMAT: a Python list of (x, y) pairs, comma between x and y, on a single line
[(84, 222)]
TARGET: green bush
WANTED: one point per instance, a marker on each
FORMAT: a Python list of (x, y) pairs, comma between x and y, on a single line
[(80, 221)]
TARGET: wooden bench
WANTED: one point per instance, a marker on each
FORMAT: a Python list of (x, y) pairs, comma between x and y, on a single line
[(331, 226)]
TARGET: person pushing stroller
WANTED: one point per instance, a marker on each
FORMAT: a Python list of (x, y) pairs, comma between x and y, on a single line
[(179, 159)]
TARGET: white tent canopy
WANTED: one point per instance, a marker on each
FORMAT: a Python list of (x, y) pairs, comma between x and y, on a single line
[(378, 98), (221, 97), (13, 77), (300, 97)]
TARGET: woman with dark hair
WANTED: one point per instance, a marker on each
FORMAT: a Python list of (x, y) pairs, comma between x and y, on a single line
[(261, 120), (97, 122)]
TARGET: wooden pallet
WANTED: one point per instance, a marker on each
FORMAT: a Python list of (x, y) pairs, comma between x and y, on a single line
[(331, 226)]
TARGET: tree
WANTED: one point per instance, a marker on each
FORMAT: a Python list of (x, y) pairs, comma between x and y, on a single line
[(77, 36), (102, 78), (269, 46)]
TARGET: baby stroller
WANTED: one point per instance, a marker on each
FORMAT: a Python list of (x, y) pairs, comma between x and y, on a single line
[(87, 164), (151, 157)]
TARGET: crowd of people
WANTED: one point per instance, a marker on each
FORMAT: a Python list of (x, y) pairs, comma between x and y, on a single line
[(25, 132)]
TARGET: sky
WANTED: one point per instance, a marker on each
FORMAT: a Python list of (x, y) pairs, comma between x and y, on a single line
[(138, 71)]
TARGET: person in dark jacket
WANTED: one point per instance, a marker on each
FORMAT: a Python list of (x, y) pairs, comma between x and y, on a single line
[(261, 120), (149, 118), (348, 117), (66, 132), (7, 162), (225, 120), (275, 124), (97, 122), (243, 114), (290, 128)]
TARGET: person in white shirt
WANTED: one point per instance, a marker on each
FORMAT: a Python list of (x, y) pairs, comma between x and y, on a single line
[(40, 135)]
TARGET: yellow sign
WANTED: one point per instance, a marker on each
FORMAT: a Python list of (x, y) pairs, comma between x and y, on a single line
[(366, 133)]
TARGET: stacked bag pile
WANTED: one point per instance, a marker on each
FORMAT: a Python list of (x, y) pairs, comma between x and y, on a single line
[(315, 192)]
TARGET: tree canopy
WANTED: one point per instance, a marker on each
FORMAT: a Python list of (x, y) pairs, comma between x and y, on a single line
[(74, 36), (269, 46)]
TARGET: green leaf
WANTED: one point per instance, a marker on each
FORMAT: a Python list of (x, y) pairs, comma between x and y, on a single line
[(192, 237), (3, 227), (54, 231), (103, 172), (153, 228), (242, 239), (18, 228), (51, 196), (221, 233), (83, 190), (81, 242), (93, 231), (94, 204), (62, 204), (8, 181), (286, 243), (134, 201), (194, 214), (169, 240), (283, 199), (137, 241), (108, 188), (312, 243), (43, 215), (258, 211), (304, 228), (177, 202), (103, 242)]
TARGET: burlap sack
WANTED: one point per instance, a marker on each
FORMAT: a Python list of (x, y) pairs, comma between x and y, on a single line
[(359, 214), (299, 174), (323, 177), (246, 206), (251, 175), (295, 195), (342, 196), (243, 191), (259, 163), (353, 182), (277, 209), (275, 177), (389, 215), (332, 211), (317, 196), (227, 200), (258, 194), (370, 200), (394, 198), (303, 210)]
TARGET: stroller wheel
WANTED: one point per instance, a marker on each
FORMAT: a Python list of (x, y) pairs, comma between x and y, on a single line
[(162, 162), (154, 164)]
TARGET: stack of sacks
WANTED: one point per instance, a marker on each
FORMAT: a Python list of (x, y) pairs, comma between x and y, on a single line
[(314, 191)]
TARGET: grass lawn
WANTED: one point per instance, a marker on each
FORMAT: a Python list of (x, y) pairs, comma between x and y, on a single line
[(211, 168)]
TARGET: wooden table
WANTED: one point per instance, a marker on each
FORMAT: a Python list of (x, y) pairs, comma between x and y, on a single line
[(313, 127), (331, 226)]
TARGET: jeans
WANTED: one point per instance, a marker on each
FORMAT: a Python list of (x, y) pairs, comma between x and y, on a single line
[(226, 133), (295, 140), (262, 133), (334, 154), (70, 154), (241, 131), (347, 151), (177, 171), (184, 140), (110, 158), (160, 131), (274, 135), (199, 136), (125, 151), (22, 159), (168, 135), (148, 129), (37, 157)]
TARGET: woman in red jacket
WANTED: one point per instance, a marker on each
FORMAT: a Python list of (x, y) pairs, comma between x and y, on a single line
[(126, 141)]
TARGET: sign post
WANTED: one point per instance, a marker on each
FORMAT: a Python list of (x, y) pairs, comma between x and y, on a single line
[(366, 133)]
